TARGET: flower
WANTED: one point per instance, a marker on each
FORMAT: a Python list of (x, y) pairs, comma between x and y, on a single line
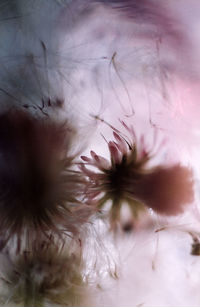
[(126, 178), (39, 190), (47, 274)]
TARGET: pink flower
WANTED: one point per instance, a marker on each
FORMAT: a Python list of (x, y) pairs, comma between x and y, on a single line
[(126, 177)]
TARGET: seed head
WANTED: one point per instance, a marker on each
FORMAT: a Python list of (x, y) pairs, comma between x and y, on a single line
[(126, 177), (45, 275), (39, 192)]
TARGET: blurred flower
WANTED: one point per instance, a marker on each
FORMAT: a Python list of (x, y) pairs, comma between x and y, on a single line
[(195, 246), (39, 190), (127, 178), (155, 14), (46, 275)]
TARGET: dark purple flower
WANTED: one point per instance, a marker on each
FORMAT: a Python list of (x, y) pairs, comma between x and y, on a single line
[(39, 192)]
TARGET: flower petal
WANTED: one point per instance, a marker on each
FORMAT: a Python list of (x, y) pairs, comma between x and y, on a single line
[(122, 145), (166, 190), (116, 155)]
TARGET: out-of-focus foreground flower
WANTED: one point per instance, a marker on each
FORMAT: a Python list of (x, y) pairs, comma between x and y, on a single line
[(126, 178), (48, 274), (39, 192)]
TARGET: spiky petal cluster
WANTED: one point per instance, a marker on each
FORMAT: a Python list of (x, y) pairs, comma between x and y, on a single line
[(39, 193), (127, 178)]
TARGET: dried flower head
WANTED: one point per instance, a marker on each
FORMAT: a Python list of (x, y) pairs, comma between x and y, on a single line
[(127, 178), (195, 246), (45, 275), (39, 192)]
